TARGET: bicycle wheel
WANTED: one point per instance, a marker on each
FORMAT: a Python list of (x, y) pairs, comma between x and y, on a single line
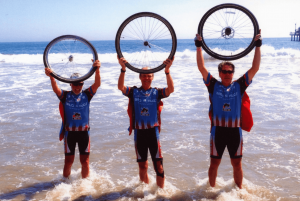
[(70, 54), (228, 31), (146, 39)]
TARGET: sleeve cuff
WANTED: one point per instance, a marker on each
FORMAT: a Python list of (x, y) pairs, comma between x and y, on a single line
[(164, 92), (91, 90), (127, 90), (247, 79), (207, 79), (62, 94)]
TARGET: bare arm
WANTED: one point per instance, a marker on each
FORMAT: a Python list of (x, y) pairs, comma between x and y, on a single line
[(54, 85), (170, 83), (121, 85), (97, 82), (200, 60), (256, 60)]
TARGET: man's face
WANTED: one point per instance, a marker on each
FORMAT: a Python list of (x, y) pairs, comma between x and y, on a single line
[(226, 77), (146, 80), (77, 87)]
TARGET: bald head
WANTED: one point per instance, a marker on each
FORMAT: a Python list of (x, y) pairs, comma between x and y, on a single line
[(146, 68)]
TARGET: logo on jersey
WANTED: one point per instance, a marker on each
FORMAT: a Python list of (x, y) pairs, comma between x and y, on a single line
[(76, 116), (226, 107), (145, 112)]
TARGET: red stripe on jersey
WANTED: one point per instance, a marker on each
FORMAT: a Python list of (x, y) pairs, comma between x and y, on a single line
[(80, 128), (148, 125), (217, 121), (230, 122), (137, 125), (223, 122), (236, 123), (143, 125)]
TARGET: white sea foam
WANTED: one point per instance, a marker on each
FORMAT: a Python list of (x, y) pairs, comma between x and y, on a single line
[(100, 186), (267, 52)]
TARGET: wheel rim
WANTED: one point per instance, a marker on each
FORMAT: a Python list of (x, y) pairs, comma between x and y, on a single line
[(146, 40), (66, 55), (228, 31)]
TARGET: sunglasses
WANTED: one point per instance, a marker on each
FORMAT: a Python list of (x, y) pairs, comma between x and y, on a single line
[(227, 71), (78, 84)]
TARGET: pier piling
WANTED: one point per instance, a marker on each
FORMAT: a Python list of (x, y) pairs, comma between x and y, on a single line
[(295, 35)]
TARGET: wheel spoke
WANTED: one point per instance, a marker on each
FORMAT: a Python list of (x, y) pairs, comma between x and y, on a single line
[(215, 17), (136, 34)]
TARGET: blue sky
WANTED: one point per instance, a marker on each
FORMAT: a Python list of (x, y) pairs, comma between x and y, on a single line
[(38, 20)]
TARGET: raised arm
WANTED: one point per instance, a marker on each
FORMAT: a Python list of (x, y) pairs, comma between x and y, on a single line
[(54, 85), (97, 82), (121, 85), (257, 57), (200, 59), (170, 87)]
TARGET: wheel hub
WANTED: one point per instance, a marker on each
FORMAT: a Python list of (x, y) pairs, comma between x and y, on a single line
[(227, 32), (146, 44)]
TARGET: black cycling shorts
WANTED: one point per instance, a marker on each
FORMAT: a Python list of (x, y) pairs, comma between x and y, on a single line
[(147, 139), (221, 137), (80, 137)]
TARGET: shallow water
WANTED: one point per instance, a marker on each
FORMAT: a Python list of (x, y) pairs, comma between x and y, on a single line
[(32, 156)]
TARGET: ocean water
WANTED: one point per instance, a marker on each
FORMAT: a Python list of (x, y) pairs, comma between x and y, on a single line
[(32, 156)]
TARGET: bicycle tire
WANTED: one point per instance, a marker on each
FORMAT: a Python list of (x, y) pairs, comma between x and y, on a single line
[(228, 31), (138, 39), (58, 55)]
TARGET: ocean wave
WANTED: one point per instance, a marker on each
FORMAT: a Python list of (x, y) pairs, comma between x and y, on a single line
[(266, 52)]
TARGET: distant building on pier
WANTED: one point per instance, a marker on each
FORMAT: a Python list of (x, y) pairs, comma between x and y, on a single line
[(295, 36)]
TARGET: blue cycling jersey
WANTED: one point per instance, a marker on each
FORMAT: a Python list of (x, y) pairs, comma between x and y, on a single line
[(76, 109), (226, 101), (145, 106)]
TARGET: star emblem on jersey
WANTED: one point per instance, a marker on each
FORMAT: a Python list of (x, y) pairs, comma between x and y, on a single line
[(145, 112), (226, 107)]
